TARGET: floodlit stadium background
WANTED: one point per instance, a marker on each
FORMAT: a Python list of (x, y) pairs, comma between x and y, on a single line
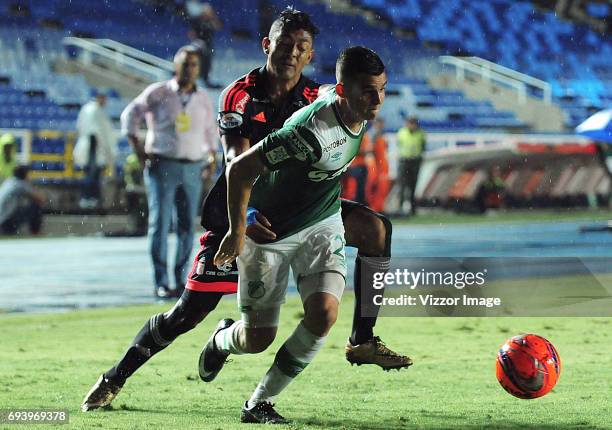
[(499, 83), (496, 84)]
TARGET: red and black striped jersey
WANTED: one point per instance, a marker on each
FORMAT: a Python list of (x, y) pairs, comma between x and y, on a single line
[(245, 109)]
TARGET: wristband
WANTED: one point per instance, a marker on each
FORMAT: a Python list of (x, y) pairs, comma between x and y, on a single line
[(251, 216)]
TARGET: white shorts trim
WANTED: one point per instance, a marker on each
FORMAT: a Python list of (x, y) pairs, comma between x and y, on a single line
[(323, 282)]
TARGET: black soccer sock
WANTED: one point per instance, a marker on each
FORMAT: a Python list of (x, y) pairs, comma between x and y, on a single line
[(145, 345), (161, 330), (365, 267)]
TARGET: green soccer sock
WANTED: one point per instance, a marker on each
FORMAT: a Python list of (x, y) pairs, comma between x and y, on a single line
[(293, 357)]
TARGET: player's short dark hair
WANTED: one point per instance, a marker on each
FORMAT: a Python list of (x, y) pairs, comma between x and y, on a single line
[(358, 60), (291, 20), (21, 172), (187, 49)]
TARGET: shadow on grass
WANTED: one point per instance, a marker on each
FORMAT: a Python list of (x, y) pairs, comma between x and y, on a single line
[(440, 420), (126, 408), (447, 422)]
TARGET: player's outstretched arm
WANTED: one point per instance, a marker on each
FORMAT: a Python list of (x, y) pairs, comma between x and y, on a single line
[(241, 174)]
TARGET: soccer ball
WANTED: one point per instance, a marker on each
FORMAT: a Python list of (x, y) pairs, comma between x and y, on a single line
[(528, 366)]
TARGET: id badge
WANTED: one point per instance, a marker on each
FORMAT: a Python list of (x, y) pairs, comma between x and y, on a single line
[(182, 122)]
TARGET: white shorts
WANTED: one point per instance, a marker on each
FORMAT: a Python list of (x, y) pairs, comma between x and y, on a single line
[(264, 268)]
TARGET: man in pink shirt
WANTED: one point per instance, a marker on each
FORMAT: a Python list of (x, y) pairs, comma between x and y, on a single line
[(180, 140)]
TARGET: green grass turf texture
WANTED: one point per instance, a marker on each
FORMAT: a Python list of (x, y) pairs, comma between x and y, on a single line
[(51, 360)]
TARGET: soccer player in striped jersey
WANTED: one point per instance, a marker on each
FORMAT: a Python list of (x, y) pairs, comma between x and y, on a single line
[(249, 109)]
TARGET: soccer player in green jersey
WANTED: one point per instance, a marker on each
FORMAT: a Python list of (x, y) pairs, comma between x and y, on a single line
[(293, 176)]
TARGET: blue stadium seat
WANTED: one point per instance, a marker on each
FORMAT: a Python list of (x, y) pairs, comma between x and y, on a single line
[(509, 32)]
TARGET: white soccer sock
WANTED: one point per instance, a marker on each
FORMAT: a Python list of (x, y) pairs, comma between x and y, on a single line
[(295, 354), (227, 340)]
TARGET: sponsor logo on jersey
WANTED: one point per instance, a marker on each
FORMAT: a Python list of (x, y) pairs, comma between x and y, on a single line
[(242, 103), (326, 175), (336, 156), (230, 120), (277, 155), (302, 150), (337, 144)]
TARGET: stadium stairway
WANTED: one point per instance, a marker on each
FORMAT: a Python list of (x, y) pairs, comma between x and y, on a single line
[(539, 114)]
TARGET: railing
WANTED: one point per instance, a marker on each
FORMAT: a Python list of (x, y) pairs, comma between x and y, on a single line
[(126, 50), (122, 55), (492, 72), (442, 144)]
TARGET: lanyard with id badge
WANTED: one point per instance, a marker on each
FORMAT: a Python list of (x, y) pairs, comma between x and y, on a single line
[(182, 122)]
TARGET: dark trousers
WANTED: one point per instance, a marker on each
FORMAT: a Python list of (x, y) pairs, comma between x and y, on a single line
[(205, 64), (91, 185), (360, 173), (408, 176), (206, 53), (30, 214), (138, 211)]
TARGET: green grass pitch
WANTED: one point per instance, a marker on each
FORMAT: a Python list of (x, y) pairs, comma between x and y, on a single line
[(50, 361)]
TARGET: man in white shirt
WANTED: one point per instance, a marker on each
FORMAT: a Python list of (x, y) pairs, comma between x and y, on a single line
[(96, 147), (181, 138)]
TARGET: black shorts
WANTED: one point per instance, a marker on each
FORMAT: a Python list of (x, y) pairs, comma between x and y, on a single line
[(204, 275)]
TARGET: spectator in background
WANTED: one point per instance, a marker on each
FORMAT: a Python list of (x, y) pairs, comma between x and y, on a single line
[(136, 196), (8, 156), (203, 23), (604, 156), (267, 14), (20, 203), (379, 184), (181, 138), (357, 174), (411, 141), (96, 148), (491, 193), (577, 11)]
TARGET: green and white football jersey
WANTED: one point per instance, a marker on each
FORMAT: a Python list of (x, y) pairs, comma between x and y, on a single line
[(306, 159)]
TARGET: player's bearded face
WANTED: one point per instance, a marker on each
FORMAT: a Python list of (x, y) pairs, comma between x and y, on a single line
[(289, 53), (365, 95)]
